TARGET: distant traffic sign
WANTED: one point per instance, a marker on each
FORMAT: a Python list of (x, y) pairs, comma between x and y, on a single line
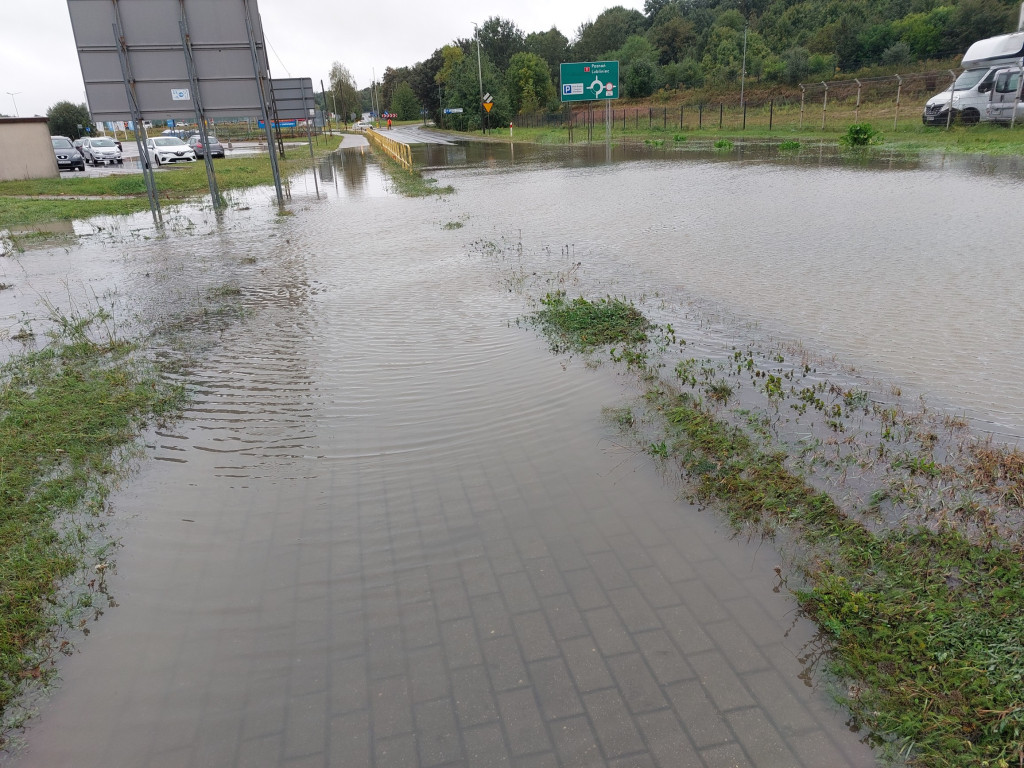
[(453, 111), (589, 81)]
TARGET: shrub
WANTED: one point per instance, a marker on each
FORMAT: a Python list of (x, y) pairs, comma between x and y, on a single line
[(860, 135)]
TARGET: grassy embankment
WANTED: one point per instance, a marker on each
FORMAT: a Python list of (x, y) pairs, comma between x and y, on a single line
[(923, 607), (26, 203), (68, 413)]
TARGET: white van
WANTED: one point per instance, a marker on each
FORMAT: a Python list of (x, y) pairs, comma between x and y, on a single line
[(971, 90), (1005, 96)]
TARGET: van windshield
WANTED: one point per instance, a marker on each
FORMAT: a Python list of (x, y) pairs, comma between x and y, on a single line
[(968, 79)]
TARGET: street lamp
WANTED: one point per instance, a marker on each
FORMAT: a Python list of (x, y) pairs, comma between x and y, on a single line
[(479, 75), (12, 95)]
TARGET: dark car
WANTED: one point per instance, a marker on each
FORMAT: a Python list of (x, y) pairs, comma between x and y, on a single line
[(215, 147), (68, 158)]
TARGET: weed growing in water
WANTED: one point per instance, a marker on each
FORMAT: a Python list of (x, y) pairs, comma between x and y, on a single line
[(679, 137), (860, 135), (789, 144), (723, 144)]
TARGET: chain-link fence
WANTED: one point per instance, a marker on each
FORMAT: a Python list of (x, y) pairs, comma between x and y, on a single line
[(892, 103)]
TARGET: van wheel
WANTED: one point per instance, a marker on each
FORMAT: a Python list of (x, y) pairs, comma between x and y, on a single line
[(967, 117)]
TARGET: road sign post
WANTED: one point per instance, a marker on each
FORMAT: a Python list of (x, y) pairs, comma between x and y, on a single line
[(591, 81)]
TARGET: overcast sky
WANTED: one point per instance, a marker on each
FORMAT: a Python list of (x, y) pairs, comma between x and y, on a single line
[(39, 63)]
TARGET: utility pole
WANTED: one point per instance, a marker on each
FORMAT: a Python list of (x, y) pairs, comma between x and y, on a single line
[(12, 95), (743, 69), (480, 76)]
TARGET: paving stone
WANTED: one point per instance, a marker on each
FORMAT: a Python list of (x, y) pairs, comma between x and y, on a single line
[(684, 629), (491, 616), (522, 721), (545, 577), (585, 664), (610, 633), (534, 636), (639, 689), (609, 570), (733, 643), (720, 681), (575, 743), (451, 599), (504, 663), (349, 741), (555, 689), (667, 740), (474, 701), (760, 739), (478, 577), (612, 723), (663, 658), (437, 735), (518, 593), (306, 726), (485, 747), (460, 643), (399, 752), (586, 590), (566, 622), (428, 675), (391, 707), (634, 611), (702, 721)]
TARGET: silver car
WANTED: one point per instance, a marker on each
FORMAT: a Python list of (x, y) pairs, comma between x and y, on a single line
[(100, 150)]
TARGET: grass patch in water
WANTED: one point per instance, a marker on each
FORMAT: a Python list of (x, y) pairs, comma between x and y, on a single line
[(582, 325), (409, 183), (65, 414)]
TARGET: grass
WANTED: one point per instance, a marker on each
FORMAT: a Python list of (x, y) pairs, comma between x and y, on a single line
[(66, 413), (925, 623), (409, 183), (26, 203)]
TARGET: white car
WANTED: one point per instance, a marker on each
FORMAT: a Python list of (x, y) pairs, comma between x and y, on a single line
[(169, 149)]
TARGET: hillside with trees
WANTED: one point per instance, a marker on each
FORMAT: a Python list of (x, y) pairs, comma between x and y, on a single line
[(690, 44)]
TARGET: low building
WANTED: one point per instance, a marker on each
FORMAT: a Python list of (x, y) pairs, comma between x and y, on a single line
[(25, 149)]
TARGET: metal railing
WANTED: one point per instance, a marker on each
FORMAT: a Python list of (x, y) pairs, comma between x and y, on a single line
[(399, 152)]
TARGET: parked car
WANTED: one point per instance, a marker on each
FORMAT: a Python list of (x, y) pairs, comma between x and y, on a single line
[(168, 149), (68, 158), (100, 150), (196, 142)]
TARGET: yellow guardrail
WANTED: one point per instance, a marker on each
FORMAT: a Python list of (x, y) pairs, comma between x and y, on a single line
[(400, 152)]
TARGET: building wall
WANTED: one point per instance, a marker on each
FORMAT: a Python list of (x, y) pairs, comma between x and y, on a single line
[(25, 149)]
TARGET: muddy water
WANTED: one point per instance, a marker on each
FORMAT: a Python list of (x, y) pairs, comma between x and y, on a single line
[(392, 529)]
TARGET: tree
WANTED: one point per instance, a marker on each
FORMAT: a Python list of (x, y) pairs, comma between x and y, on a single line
[(594, 39), (552, 46), (673, 38), (343, 95), (390, 80), (528, 83), (424, 83), (71, 120), (404, 102), (502, 40)]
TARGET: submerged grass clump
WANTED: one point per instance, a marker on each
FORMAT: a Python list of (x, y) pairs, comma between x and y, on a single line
[(65, 414), (924, 616), (582, 325)]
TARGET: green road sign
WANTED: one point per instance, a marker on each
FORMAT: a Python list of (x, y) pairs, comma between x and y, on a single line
[(590, 80)]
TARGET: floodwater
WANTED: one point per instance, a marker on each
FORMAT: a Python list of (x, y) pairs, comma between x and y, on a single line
[(393, 529)]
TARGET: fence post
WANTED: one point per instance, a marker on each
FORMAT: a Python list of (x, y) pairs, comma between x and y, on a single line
[(899, 90), (744, 115), (803, 93), (721, 114), (856, 110), (636, 115), (680, 117), (664, 118), (949, 111), (771, 114), (650, 117), (700, 117), (824, 105)]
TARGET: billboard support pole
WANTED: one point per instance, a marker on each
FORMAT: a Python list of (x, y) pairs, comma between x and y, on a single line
[(263, 103), (197, 105), (133, 106), (309, 136)]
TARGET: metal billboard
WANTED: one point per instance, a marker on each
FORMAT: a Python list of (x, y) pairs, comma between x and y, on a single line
[(293, 97), (224, 36), (589, 80)]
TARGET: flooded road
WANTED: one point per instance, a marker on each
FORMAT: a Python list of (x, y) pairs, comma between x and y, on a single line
[(394, 530)]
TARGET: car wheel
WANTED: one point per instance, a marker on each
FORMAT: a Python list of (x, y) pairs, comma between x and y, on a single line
[(157, 161)]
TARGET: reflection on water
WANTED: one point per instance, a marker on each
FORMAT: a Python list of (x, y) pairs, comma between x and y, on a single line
[(392, 529)]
